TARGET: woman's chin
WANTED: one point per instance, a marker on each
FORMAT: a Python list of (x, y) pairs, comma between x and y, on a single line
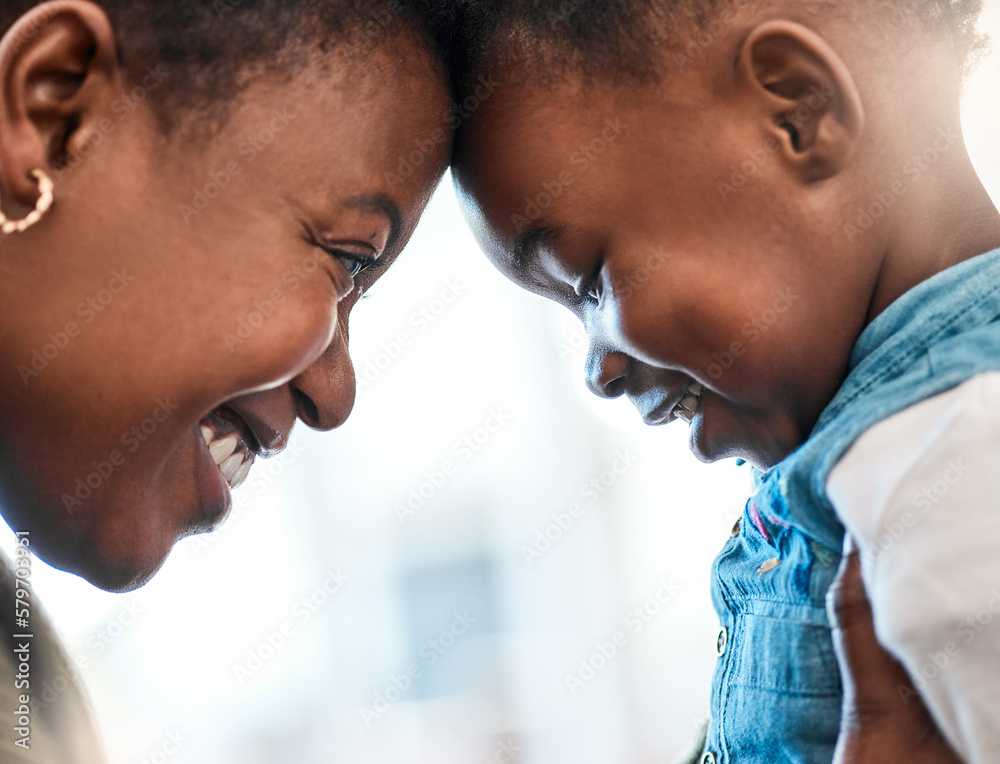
[(140, 524), (108, 568), (118, 578), (111, 549)]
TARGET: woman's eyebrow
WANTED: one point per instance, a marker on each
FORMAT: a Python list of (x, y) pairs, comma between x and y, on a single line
[(384, 205)]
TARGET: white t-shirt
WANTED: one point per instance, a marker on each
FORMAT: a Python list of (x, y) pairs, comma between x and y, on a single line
[(920, 492)]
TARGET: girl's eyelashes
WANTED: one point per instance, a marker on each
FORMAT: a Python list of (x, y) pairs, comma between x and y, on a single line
[(592, 289), (594, 293)]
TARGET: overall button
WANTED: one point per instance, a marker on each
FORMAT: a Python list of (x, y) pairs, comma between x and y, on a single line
[(708, 758), (721, 641), (737, 526)]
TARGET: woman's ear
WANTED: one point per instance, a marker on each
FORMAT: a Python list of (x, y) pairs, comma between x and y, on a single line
[(59, 75), (809, 96)]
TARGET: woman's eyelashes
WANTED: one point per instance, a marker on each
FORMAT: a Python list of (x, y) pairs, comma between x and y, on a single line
[(354, 262)]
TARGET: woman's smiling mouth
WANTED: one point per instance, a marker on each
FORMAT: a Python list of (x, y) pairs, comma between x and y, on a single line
[(232, 449)]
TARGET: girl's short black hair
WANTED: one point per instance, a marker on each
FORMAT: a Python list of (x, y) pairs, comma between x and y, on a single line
[(631, 39), (207, 45)]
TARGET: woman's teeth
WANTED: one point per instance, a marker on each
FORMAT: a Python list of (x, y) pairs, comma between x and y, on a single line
[(223, 448), (231, 466), (229, 455)]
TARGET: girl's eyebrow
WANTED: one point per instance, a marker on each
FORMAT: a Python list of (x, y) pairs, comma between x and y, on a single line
[(524, 259), (524, 252), (385, 205)]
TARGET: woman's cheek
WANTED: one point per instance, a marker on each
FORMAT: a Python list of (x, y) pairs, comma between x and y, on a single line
[(282, 338)]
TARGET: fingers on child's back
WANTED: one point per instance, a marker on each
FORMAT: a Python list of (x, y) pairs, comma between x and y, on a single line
[(883, 716), (871, 676), (847, 601)]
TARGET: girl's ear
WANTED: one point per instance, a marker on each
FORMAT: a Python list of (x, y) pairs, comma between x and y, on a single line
[(809, 97), (59, 75)]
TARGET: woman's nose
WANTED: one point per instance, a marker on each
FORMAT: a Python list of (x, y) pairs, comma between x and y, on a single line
[(606, 370), (324, 393)]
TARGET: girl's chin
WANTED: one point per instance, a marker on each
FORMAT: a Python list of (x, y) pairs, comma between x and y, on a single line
[(718, 433), (704, 437), (710, 447)]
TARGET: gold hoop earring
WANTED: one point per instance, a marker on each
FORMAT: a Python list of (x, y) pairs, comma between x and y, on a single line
[(45, 187)]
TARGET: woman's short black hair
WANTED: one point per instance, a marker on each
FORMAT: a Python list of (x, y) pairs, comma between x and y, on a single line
[(631, 39), (207, 46)]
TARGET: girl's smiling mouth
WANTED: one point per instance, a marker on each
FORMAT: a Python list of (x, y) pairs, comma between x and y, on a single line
[(685, 407), (690, 404)]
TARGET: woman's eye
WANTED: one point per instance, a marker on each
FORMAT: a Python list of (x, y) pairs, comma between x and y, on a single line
[(353, 262)]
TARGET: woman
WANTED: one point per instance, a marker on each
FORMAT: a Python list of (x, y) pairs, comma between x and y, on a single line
[(195, 195)]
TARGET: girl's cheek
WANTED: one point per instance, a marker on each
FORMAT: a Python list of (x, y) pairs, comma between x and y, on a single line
[(640, 331)]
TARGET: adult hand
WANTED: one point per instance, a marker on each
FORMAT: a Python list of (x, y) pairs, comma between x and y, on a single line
[(879, 723)]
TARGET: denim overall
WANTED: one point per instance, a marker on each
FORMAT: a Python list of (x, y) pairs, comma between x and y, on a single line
[(776, 693)]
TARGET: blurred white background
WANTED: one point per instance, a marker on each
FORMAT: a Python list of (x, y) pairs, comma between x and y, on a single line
[(363, 606)]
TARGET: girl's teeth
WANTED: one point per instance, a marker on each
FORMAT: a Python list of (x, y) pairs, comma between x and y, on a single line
[(223, 449), (687, 408), (231, 466), (207, 434)]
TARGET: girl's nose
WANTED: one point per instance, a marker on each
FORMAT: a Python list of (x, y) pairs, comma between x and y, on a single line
[(606, 370), (324, 393)]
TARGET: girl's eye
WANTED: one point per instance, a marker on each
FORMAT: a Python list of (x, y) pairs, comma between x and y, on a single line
[(594, 293), (593, 289)]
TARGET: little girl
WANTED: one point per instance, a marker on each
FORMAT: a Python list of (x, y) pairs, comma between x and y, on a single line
[(194, 195), (825, 306)]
